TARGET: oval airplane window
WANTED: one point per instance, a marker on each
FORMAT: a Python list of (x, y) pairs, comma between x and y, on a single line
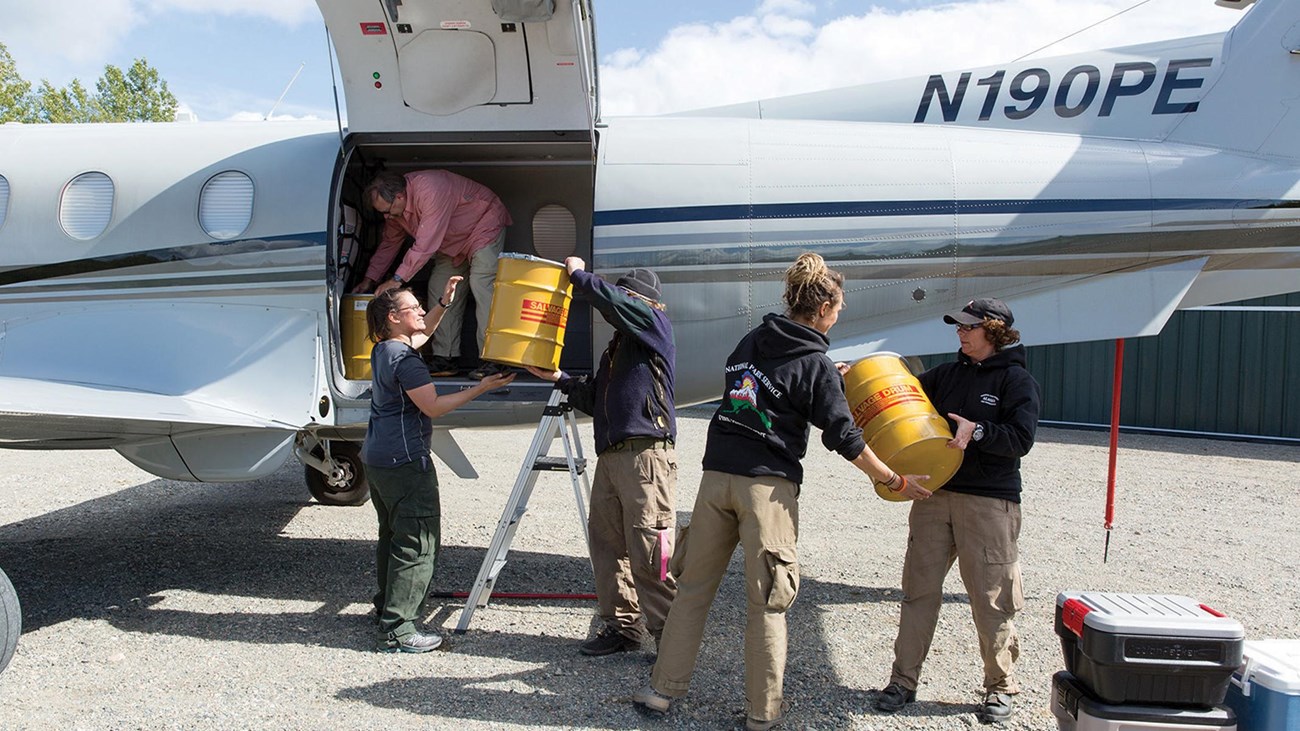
[(86, 206), (4, 199), (555, 235), (226, 204)]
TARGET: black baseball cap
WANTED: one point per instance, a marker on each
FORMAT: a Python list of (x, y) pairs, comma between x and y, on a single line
[(977, 310)]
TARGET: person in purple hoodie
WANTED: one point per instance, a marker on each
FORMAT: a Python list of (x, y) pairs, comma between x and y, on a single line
[(775, 384), (631, 520)]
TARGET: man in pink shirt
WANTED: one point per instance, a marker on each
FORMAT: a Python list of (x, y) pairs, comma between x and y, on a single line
[(458, 222)]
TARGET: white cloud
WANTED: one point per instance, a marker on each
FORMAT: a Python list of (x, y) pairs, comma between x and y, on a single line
[(773, 53), (62, 38), (71, 39), (791, 7), (288, 12)]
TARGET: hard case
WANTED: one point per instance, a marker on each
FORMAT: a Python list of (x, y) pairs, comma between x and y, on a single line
[(1156, 649), (1078, 710)]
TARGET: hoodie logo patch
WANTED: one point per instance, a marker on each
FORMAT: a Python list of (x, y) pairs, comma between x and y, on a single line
[(988, 399), (744, 397)]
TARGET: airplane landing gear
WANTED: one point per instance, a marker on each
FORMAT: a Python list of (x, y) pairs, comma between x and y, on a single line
[(11, 621), (334, 472)]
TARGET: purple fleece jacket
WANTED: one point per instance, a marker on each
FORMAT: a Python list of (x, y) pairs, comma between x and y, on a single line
[(632, 393)]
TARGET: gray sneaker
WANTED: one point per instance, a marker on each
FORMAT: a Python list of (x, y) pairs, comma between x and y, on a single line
[(414, 642), (996, 707), (652, 700)]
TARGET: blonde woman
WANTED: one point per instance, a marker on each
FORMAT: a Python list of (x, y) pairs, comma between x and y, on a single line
[(776, 383)]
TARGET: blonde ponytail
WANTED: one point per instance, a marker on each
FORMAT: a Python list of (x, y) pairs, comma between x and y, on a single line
[(809, 283)]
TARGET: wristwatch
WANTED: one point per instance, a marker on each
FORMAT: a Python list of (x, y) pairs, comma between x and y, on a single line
[(399, 280), (978, 434)]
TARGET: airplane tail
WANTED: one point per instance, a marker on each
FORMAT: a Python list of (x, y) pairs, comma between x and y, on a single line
[(1230, 90), (1253, 104)]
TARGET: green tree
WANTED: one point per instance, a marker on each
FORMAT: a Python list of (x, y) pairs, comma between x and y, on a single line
[(139, 95), (65, 106), (15, 92)]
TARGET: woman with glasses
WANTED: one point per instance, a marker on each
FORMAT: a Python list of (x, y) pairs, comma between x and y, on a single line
[(403, 483), (992, 403)]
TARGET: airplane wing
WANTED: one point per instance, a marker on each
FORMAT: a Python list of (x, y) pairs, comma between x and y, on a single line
[(44, 414), (187, 390)]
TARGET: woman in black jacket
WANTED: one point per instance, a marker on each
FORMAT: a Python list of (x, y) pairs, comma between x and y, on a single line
[(776, 382), (992, 403)]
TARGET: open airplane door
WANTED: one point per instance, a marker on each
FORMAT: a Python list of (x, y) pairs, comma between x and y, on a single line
[(472, 66), (499, 91)]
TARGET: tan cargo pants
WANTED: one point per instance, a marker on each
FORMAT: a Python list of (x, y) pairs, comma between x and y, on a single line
[(480, 272), (980, 534), (762, 514), (630, 524)]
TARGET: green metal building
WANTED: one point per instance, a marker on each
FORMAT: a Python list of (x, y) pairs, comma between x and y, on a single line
[(1227, 370)]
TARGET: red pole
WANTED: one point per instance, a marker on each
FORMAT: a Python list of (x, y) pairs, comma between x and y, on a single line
[(514, 595), (1116, 388)]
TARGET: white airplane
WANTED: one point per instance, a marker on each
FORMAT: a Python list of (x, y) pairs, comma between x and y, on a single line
[(175, 292)]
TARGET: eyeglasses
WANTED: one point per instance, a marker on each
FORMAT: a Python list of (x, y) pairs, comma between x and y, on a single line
[(968, 328), (411, 307), (394, 210)]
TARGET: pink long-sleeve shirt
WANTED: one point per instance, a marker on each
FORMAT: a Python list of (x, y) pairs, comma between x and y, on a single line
[(445, 213)]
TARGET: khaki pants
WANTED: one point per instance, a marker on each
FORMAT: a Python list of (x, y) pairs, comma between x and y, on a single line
[(980, 534), (630, 524), (762, 514), (480, 272)]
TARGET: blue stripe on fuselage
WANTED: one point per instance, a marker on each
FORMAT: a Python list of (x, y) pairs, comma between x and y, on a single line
[(872, 209)]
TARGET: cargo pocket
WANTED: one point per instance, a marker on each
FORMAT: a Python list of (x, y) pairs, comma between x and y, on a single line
[(430, 537), (783, 566), (1002, 578), (678, 559)]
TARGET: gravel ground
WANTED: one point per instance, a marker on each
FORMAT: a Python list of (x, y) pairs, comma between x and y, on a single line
[(157, 604)]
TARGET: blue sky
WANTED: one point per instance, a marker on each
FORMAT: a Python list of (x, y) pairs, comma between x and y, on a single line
[(229, 59)]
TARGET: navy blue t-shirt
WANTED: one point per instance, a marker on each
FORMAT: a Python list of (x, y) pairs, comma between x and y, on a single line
[(398, 431)]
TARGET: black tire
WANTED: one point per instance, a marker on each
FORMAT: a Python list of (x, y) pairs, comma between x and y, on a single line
[(11, 621), (353, 490)]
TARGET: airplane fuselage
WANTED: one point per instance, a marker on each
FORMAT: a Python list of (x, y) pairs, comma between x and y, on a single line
[(142, 309)]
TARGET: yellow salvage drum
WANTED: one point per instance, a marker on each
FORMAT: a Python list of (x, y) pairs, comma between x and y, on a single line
[(356, 346), (530, 308), (898, 421)]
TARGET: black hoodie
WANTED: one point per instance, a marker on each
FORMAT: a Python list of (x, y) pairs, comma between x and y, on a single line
[(777, 381), (1000, 394)]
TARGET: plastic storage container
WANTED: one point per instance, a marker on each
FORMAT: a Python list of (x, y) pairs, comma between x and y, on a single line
[(1077, 710), (1265, 692), (1154, 649)]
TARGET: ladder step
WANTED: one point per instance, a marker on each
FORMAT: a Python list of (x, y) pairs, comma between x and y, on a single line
[(558, 464)]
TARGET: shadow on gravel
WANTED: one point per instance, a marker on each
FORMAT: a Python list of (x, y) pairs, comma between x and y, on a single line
[(558, 687), (114, 559), (118, 558)]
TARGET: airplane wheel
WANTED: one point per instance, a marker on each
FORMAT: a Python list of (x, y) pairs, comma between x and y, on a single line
[(11, 621), (350, 487)]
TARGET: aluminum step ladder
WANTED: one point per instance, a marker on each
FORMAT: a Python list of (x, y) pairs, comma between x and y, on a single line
[(559, 420)]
